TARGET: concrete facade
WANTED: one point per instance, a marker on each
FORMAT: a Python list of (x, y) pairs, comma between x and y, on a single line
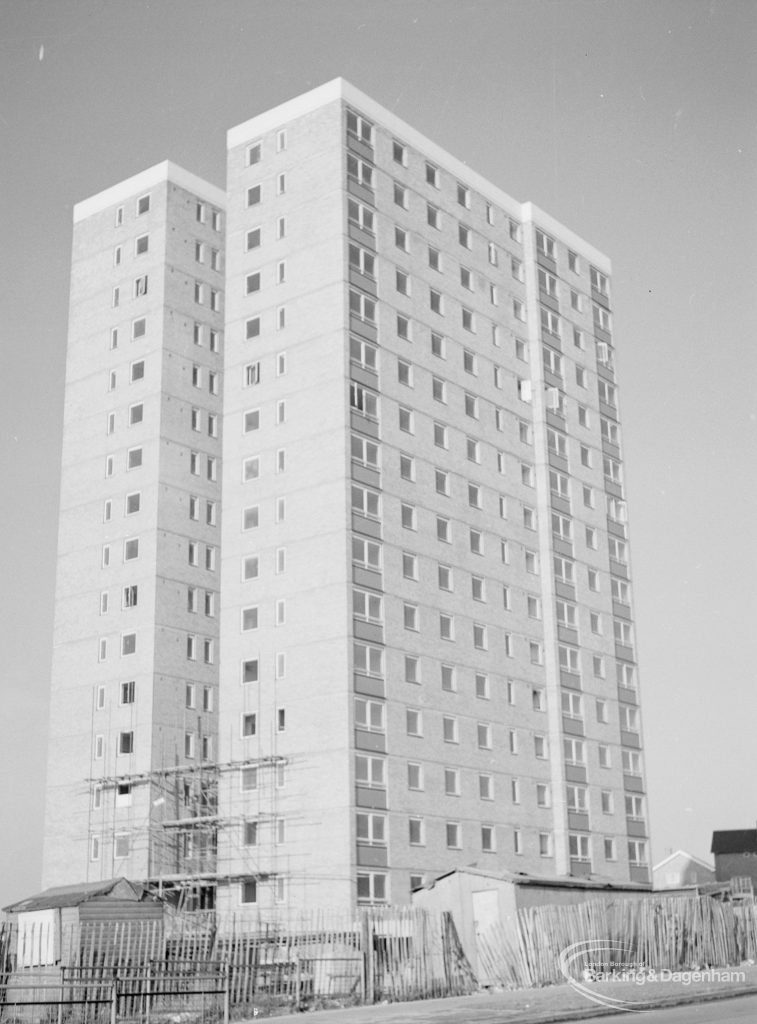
[(135, 676), (425, 544), (426, 645)]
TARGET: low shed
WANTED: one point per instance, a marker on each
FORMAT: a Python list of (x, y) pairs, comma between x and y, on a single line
[(478, 899), (48, 925)]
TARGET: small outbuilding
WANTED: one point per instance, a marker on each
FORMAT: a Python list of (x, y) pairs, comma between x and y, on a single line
[(681, 869), (479, 899), (735, 853), (46, 927)]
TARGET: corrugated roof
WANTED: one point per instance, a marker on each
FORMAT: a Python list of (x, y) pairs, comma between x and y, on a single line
[(73, 895), (597, 882), (736, 840)]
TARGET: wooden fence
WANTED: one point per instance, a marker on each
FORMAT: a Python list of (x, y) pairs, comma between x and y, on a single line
[(673, 932), (405, 953)]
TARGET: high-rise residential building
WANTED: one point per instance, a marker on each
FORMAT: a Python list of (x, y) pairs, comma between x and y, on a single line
[(426, 631), (426, 642), (134, 692)]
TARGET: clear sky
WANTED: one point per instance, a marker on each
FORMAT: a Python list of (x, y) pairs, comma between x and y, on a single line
[(631, 122)]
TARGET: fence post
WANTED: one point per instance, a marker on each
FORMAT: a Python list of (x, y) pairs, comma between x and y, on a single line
[(114, 1000), (148, 986), (366, 941), (226, 992), (62, 989)]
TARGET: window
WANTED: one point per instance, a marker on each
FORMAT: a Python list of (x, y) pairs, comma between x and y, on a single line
[(366, 553), (368, 660), (470, 403), (623, 632), (370, 771), (598, 280), (452, 781), (568, 658), (401, 239), (572, 704), (412, 669), (433, 216), (370, 828), (413, 722), (371, 887), (447, 627), (562, 527), (566, 614), (126, 743), (436, 301), (362, 306), (365, 501), (249, 891), (358, 170), (448, 678), (480, 637), (414, 776), (440, 436), (579, 847), (127, 692), (574, 751), (441, 479), (444, 574), (484, 735), (408, 517), (631, 762), (450, 729), (438, 347), (367, 605), (364, 451), (601, 318), (405, 373), (443, 530), (250, 567), (399, 153), (527, 475)]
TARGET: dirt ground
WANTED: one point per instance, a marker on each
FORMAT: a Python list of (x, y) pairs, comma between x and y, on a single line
[(553, 1003)]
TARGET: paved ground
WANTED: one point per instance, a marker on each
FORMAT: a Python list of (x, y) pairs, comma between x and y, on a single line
[(558, 1002), (722, 1011)]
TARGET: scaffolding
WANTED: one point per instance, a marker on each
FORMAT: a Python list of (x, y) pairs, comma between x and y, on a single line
[(182, 827)]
